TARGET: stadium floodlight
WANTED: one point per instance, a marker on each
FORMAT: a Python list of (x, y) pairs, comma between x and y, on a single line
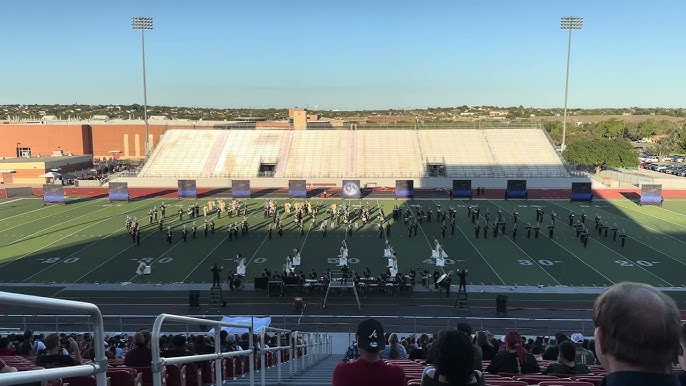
[(143, 23), (569, 23)]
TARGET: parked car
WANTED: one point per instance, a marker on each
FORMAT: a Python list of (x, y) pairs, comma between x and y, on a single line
[(678, 158), (647, 157), (644, 165)]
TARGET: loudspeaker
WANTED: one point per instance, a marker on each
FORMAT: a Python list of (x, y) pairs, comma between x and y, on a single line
[(194, 299), (261, 283), (501, 305)]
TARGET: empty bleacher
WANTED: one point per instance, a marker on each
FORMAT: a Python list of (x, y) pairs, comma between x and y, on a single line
[(364, 154), (524, 153), (466, 152)]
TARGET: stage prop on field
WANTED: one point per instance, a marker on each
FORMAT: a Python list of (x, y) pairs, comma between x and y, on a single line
[(404, 188), (240, 188), (297, 188), (581, 191), (516, 189), (53, 194), (119, 191), (187, 189), (651, 194), (351, 189), (462, 188)]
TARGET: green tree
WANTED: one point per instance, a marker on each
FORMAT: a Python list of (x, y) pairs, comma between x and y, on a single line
[(554, 128), (612, 128), (601, 153)]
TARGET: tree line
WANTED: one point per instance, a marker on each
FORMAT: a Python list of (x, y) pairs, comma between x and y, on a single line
[(607, 143)]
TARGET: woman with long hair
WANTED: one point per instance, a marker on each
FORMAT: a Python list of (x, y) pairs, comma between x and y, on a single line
[(486, 346), (514, 358), (394, 350), (454, 362)]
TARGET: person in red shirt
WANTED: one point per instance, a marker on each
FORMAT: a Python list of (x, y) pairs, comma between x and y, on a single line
[(5, 350), (369, 369)]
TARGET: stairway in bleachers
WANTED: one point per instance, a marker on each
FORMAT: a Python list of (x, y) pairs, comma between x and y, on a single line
[(351, 155), (317, 375), (212, 159), (284, 151)]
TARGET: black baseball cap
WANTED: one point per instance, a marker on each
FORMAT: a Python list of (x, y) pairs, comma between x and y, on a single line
[(370, 335)]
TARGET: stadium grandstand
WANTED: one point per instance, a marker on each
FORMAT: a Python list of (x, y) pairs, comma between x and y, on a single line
[(497, 153)]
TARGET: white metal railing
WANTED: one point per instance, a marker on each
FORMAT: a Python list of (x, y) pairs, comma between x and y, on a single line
[(158, 362), (279, 351), (317, 323), (97, 367)]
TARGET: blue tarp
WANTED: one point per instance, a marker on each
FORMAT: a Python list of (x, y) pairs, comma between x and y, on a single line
[(258, 324)]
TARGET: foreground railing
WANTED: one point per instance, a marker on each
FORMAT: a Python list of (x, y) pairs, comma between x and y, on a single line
[(99, 365), (316, 323), (158, 362)]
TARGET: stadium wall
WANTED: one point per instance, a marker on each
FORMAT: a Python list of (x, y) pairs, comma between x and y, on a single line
[(422, 183), (44, 139)]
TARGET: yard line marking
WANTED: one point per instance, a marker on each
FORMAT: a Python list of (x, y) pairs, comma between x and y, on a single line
[(205, 258), (52, 226), (640, 242), (47, 245), (110, 259), (158, 257), (302, 247), (530, 257), (568, 251), (633, 262), (649, 215), (60, 239), (39, 218), (72, 254), (475, 248), (12, 200)]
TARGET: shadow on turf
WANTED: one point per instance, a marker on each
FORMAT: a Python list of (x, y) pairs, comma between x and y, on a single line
[(223, 192), (633, 196), (264, 192), (159, 193)]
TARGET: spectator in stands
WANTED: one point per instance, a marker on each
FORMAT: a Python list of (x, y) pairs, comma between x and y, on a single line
[(55, 355), (682, 356), (179, 350), (114, 347), (368, 369), (514, 358), (394, 350), (566, 361), (201, 347), (4, 368), (552, 350), (582, 355), (637, 335), (487, 348), (351, 353), (466, 328), (140, 355), (89, 353), (5, 347), (453, 356), (30, 346), (421, 351)]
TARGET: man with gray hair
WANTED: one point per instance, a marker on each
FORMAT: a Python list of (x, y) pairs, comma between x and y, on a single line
[(636, 335)]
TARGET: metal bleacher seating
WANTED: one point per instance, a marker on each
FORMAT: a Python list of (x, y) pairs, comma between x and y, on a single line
[(524, 153), (344, 153)]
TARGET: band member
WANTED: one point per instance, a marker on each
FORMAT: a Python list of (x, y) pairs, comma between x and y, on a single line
[(463, 280), (215, 275)]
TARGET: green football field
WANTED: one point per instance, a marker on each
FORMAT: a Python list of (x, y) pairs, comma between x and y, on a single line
[(85, 241)]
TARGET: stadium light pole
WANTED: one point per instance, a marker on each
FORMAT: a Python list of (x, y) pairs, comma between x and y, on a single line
[(143, 23), (569, 23)]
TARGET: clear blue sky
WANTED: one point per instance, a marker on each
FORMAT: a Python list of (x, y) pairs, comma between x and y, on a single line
[(344, 54)]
